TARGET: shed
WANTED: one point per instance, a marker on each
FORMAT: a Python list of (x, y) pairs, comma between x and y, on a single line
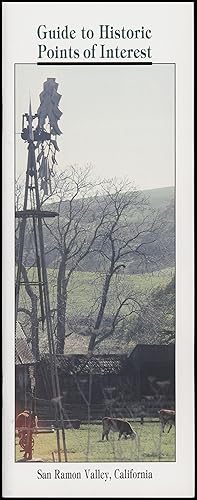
[(23, 351), (153, 367), (24, 370), (114, 381), (108, 372)]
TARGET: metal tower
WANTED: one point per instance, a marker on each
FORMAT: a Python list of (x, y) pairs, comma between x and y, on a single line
[(42, 147)]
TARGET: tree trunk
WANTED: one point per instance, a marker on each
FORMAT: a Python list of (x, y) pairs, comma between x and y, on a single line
[(34, 314), (61, 307), (100, 313)]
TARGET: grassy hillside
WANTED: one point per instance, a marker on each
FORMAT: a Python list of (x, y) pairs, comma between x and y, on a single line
[(85, 287), (86, 283), (160, 197), (83, 291), (162, 251)]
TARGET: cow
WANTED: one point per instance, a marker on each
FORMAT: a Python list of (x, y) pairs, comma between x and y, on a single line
[(167, 417), (117, 425)]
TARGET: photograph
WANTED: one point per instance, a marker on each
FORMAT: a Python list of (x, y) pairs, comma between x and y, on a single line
[(95, 264)]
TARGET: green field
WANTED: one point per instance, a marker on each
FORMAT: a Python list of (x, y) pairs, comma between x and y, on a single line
[(83, 446), (85, 287)]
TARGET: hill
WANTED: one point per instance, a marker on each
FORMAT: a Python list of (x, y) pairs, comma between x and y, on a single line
[(82, 292), (160, 197), (162, 252)]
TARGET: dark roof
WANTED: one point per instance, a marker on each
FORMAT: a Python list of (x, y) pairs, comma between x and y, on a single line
[(23, 352), (152, 349), (97, 364)]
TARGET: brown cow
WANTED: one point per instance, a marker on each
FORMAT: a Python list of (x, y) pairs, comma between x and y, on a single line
[(167, 417), (117, 425)]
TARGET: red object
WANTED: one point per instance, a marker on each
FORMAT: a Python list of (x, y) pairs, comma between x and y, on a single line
[(26, 424)]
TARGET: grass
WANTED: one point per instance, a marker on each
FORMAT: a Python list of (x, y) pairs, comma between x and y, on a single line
[(149, 446), (85, 287)]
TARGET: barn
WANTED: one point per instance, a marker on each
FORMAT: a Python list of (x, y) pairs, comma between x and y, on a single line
[(102, 375), (145, 374), (153, 369), (24, 371), (115, 381)]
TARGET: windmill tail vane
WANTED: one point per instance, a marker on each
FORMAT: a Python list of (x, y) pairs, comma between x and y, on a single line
[(44, 134), (49, 101)]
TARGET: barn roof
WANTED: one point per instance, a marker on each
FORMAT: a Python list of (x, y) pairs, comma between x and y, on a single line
[(23, 352), (97, 364), (152, 350)]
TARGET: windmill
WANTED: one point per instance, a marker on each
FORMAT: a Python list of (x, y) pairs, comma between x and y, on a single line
[(40, 133)]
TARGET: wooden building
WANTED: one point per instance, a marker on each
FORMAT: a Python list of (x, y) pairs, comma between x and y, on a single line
[(114, 381), (107, 372), (152, 368), (24, 371), (146, 370)]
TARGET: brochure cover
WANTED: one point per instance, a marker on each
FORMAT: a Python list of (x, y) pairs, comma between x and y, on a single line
[(98, 337)]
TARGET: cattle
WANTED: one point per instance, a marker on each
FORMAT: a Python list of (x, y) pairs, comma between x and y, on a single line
[(117, 425), (167, 417)]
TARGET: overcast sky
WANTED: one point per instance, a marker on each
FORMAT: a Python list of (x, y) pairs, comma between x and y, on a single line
[(119, 119)]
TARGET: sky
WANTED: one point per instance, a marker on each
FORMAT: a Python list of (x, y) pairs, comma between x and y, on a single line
[(120, 120)]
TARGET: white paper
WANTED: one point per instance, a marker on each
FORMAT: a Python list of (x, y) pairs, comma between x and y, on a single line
[(172, 43)]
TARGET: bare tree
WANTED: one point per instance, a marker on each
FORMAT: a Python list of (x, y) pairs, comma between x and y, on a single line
[(75, 234), (156, 319), (129, 233), (112, 225)]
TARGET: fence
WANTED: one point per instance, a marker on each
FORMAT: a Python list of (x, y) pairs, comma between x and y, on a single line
[(141, 410)]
